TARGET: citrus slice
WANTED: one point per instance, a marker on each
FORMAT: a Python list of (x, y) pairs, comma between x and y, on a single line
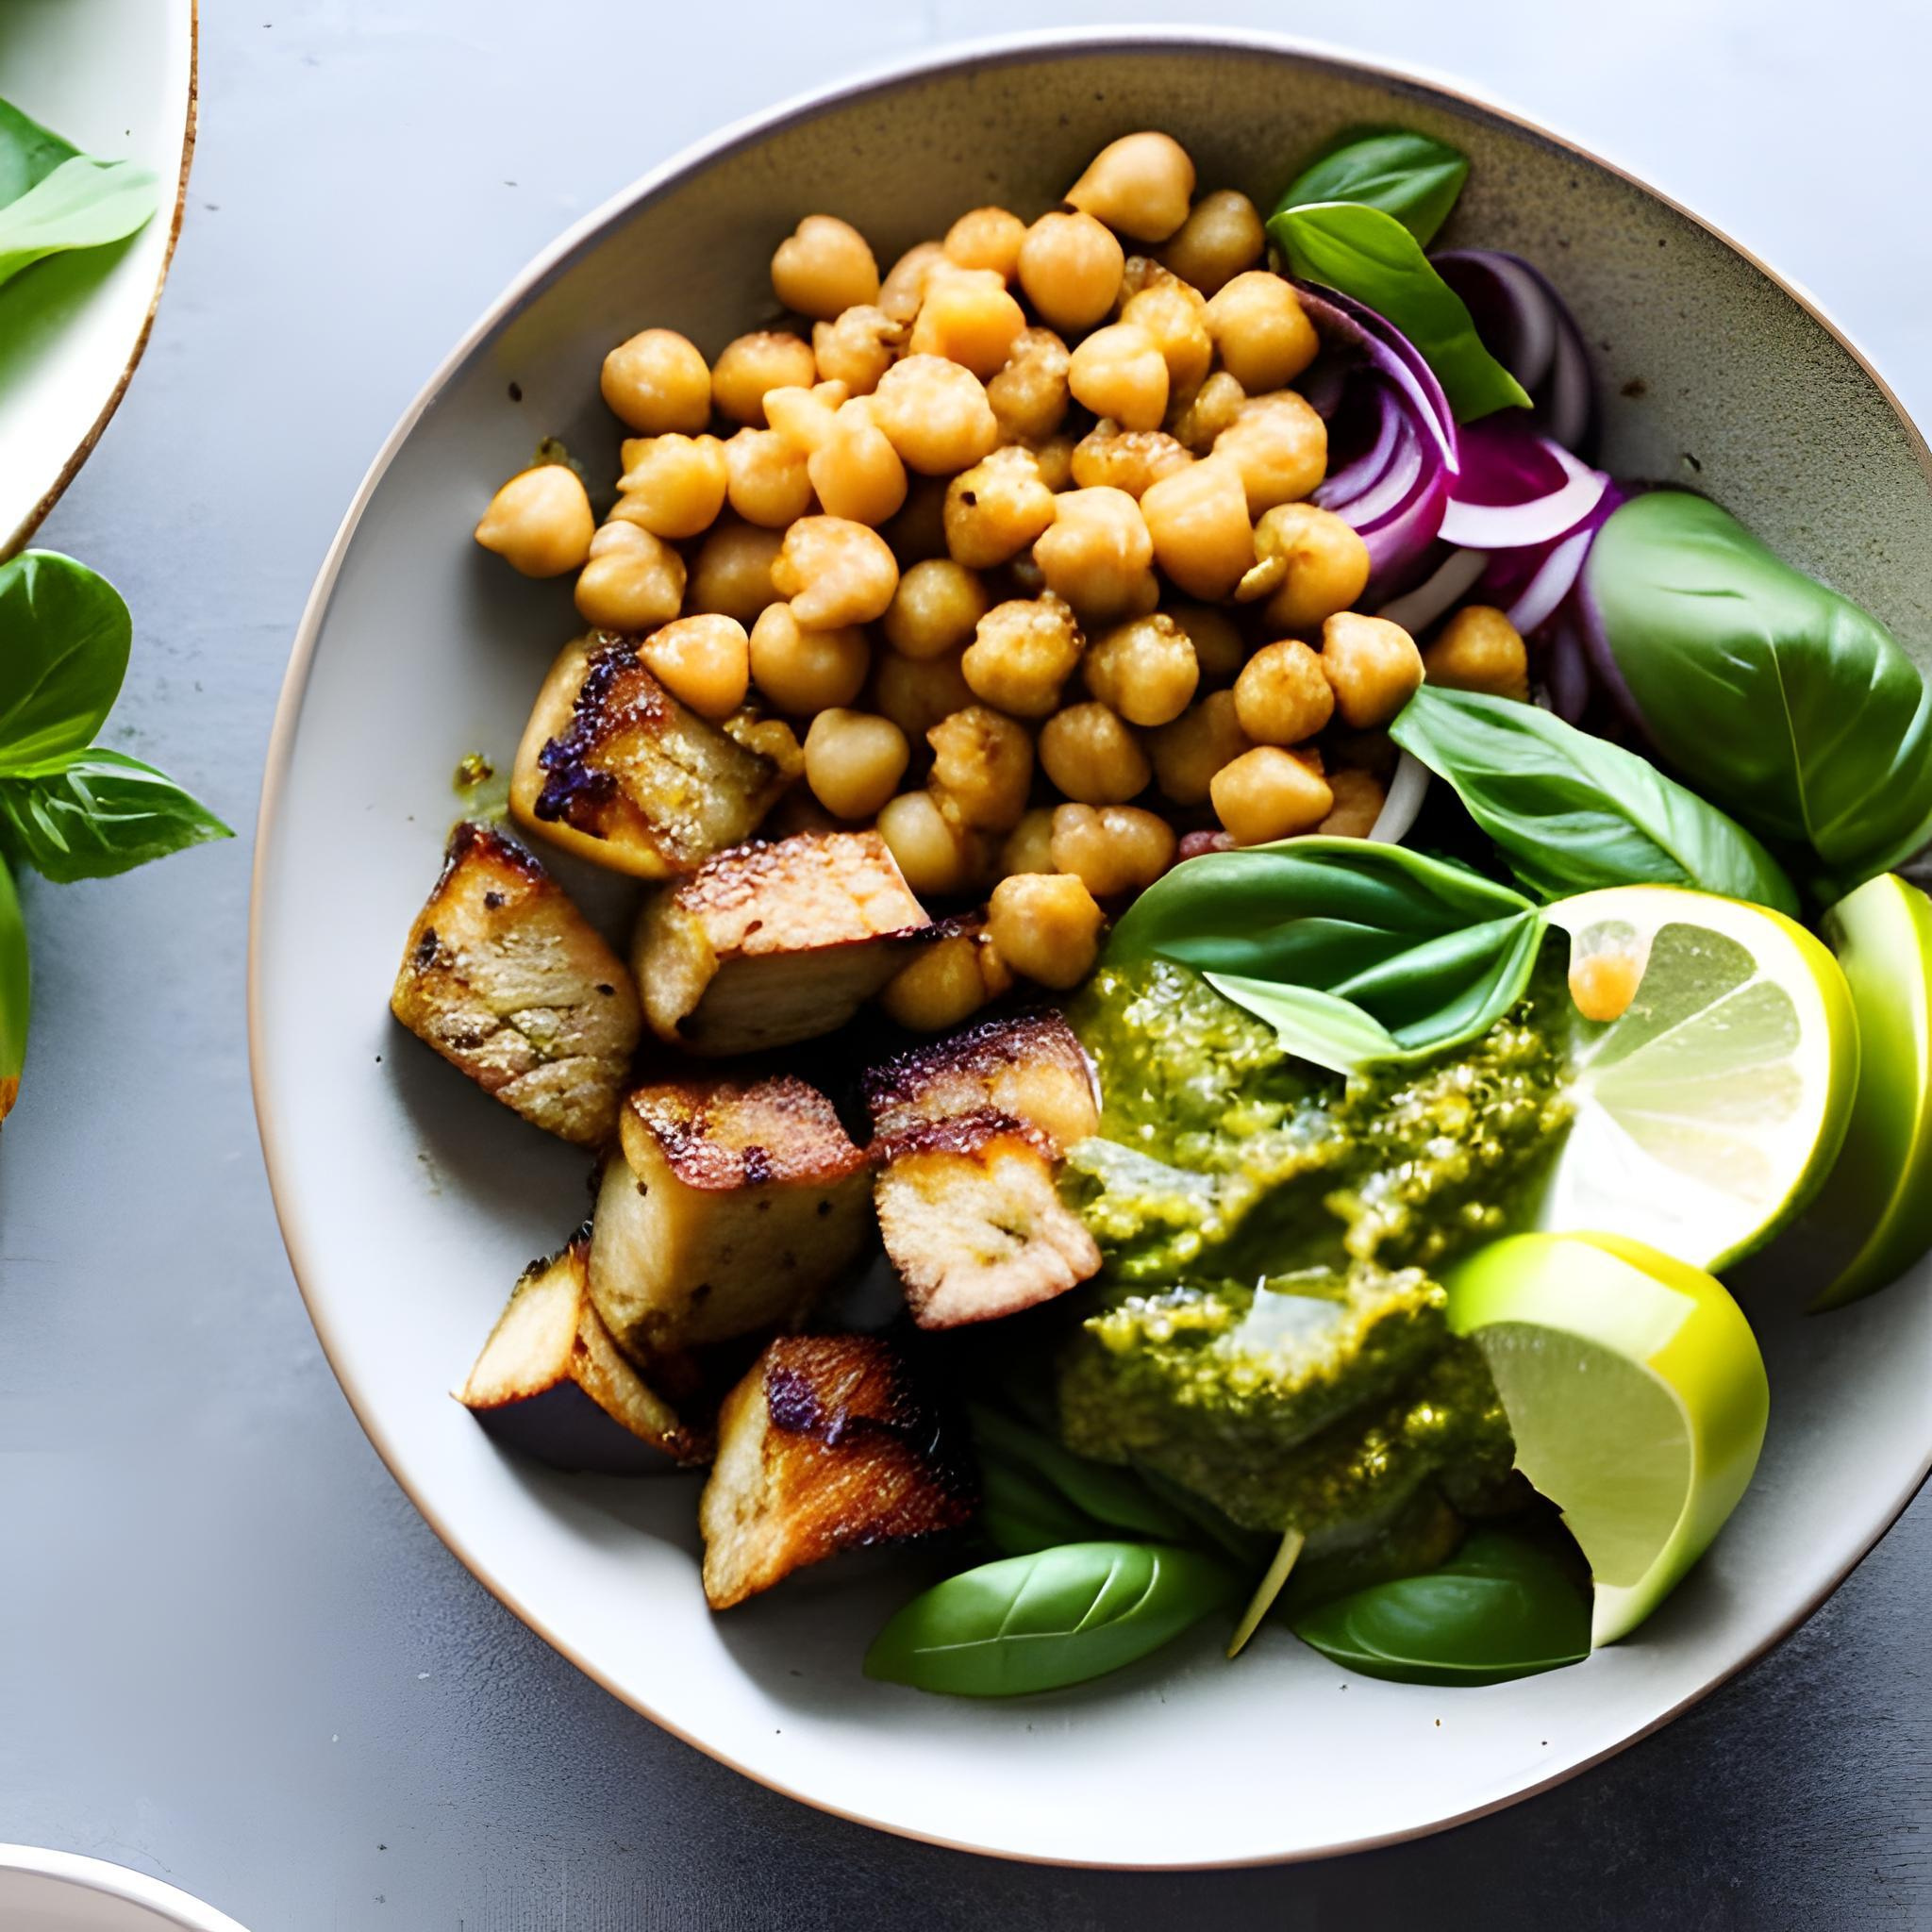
[(1636, 1394), (1878, 1199), (1715, 1055)]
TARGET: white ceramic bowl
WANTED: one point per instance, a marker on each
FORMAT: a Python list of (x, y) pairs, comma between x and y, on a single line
[(61, 1891), (409, 1202)]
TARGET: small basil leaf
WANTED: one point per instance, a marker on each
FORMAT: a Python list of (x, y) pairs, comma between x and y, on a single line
[(64, 635), (1364, 252), (1571, 812), (96, 813), (1316, 1026), (1045, 1620), (16, 986), (29, 152), (1504, 1607), (1403, 174), (1115, 1497), (1785, 702), (82, 204)]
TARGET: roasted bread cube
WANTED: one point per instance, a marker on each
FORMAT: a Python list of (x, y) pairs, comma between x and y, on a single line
[(1028, 1065), (826, 1445), (614, 769), (508, 980), (551, 1382), (768, 945), (724, 1209)]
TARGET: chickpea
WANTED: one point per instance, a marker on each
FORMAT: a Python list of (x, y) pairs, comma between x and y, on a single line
[(904, 288), (824, 267), (1055, 458), (702, 661), (1187, 753), (1359, 797), (805, 672), (1091, 755), (1219, 649), (1262, 335), (631, 581), (1112, 848), (540, 522), (774, 739), (1479, 650), (937, 859), (1279, 446), (673, 486), (751, 365), (1269, 793), (1372, 666), (1120, 371), (856, 471), (766, 479), (656, 384), (1144, 670), (1022, 653), (1210, 410), (969, 318), (1029, 395), (1312, 564), (1139, 185), (935, 608), (1030, 845), (802, 416), (997, 509), (986, 237), (950, 978), (1046, 926), (919, 530), (1282, 697), (936, 414), (1070, 267), (835, 572), (732, 573), (915, 695), (1110, 457), (1198, 519), (1098, 555), (858, 347), (854, 762), (982, 768), (1176, 317), (1221, 236)]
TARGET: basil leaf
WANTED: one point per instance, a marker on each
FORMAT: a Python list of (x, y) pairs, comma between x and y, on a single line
[(16, 987), (29, 152), (1404, 174), (1364, 252), (1354, 952), (82, 204), (1045, 1620), (1784, 702), (1570, 812), (1104, 1495), (64, 635), (1504, 1607), (95, 813), (1021, 1512)]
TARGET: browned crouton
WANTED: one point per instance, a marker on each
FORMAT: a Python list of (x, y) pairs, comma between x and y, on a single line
[(550, 1382), (826, 1445), (1029, 1066), (724, 1209), (508, 980), (769, 944), (614, 769)]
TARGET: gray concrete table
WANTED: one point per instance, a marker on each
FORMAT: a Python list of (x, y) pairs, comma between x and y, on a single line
[(230, 1653)]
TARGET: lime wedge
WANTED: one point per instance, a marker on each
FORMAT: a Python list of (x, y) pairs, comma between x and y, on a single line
[(1636, 1394), (1879, 1195), (1716, 1052)]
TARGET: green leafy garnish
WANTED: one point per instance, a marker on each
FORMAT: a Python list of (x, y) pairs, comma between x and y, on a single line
[(1502, 1607), (29, 152), (1363, 251), (1569, 811), (54, 198), (64, 636), (1404, 174), (93, 813), (1091, 1493)]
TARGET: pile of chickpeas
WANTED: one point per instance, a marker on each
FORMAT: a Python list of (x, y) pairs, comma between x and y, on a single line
[(1017, 538)]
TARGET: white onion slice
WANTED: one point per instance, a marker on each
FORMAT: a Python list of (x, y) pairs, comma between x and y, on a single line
[(1516, 525), (1403, 802), (1416, 610), (1551, 584), (1392, 490)]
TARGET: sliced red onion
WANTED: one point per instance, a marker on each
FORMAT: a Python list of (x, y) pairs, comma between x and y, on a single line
[(1416, 610), (1405, 800), (1567, 672), (1528, 327), (1517, 489), (1552, 583)]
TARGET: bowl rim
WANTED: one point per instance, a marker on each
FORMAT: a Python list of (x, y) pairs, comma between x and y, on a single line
[(82, 1874), (991, 50)]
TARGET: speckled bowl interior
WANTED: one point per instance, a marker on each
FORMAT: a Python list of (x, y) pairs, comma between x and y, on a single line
[(409, 1203)]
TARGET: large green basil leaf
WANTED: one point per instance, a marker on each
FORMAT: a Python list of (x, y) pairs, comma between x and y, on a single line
[(16, 987), (1502, 1607), (1571, 811), (1403, 174), (82, 204), (64, 635), (1354, 952), (1783, 701), (95, 813), (1371, 255), (29, 152), (1044, 1621)]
